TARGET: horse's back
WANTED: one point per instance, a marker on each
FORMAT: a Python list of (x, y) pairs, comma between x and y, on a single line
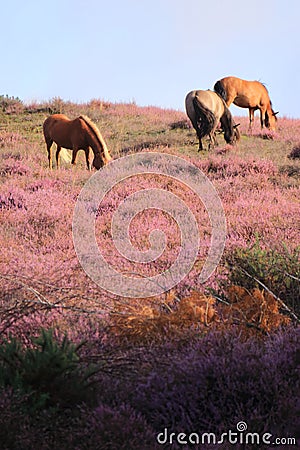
[(245, 85), (211, 101), (208, 98), (236, 83), (54, 120), (244, 93)]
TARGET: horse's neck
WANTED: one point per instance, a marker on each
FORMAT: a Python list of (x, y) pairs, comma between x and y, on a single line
[(269, 108), (225, 120), (95, 145), (99, 148)]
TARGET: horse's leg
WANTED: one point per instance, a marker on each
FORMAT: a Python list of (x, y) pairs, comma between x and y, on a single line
[(200, 144), (57, 156), (87, 155), (196, 128), (251, 119), (49, 143), (262, 117), (74, 156), (212, 138)]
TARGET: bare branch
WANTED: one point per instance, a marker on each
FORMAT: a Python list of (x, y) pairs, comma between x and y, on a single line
[(270, 292)]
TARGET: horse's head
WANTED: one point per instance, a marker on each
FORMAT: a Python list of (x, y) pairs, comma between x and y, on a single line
[(230, 136), (232, 133), (100, 161), (270, 120), (236, 132)]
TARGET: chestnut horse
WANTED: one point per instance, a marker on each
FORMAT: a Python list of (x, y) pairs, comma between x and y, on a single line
[(248, 94), (80, 133), (205, 110)]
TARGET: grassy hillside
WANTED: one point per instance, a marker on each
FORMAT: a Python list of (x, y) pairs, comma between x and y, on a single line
[(250, 304)]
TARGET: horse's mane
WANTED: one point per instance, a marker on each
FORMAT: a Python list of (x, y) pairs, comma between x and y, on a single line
[(226, 118), (219, 89), (206, 118), (93, 127), (265, 86)]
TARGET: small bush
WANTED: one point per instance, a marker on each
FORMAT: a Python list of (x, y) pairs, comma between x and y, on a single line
[(12, 167), (57, 105), (295, 152), (9, 139), (180, 124), (277, 269), (11, 202), (49, 372), (11, 105), (118, 427)]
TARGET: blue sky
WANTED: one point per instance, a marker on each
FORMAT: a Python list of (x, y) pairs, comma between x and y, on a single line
[(148, 51)]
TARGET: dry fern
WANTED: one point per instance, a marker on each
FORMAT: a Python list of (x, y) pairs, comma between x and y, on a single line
[(148, 323), (256, 308)]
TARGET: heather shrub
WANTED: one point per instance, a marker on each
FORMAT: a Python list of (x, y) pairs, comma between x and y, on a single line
[(219, 167), (13, 422), (9, 139), (113, 428), (219, 380), (103, 427), (206, 385), (98, 104), (13, 167), (295, 152), (11, 105), (11, 201), (57, 105), (180, 124), (48, 372), (277, 269)]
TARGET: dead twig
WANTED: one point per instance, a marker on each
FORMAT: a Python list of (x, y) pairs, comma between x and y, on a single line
[(284, 306)]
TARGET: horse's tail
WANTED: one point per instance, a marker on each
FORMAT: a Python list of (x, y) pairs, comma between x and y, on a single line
[(205, 118), (96, 132), (219, 89)]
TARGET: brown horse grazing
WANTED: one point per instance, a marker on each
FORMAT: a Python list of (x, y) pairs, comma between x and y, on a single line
[(205, 110), (80, 133), (248, 94)]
